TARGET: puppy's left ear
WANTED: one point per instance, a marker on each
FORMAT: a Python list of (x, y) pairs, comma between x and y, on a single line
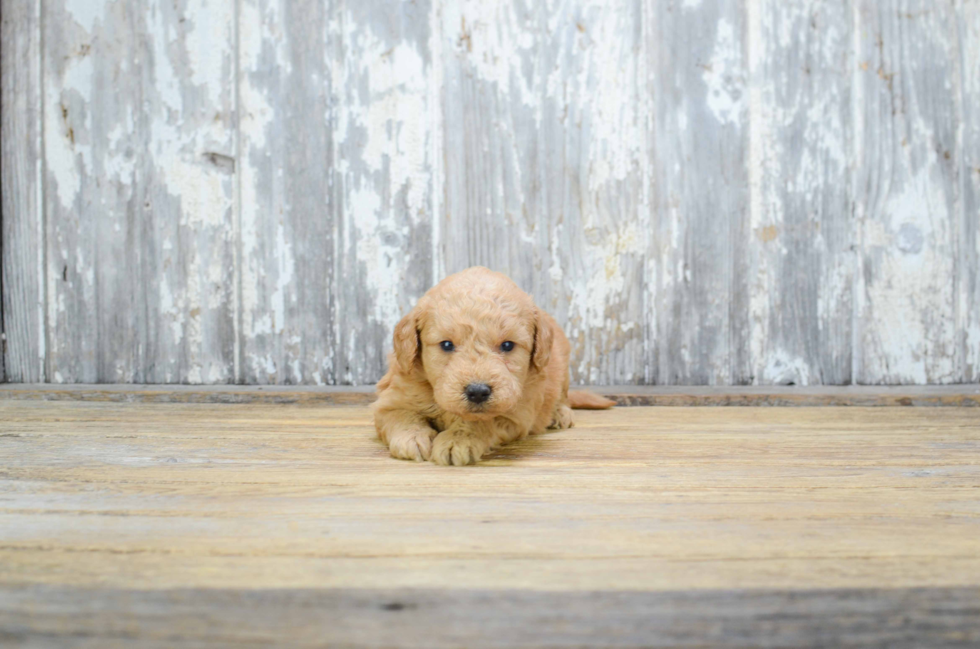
[(406, 340), (541, 353)]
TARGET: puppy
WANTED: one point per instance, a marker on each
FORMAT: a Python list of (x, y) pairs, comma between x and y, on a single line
[(475, 365)]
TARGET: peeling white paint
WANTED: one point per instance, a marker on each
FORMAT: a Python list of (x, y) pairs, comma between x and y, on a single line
[(213, 23), (590, 302), (68, 154), (907, 331), (905, 325), (561, 105), (725, 78), (760, 112), (494, 42), (172, 312), (968, 144), (84, 12), (606, 92), (284, 259), (257, 31), (783, 368), (798, 173), (393, 114)]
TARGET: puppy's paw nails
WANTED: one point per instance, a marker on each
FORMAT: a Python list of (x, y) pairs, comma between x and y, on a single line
[(452, 449), (411, 445)]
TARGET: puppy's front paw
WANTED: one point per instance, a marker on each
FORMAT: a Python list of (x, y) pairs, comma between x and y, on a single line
[(562, 418), (458, 447), (411, 444)]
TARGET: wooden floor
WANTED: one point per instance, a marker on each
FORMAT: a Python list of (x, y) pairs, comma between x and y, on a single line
[(144, 525)]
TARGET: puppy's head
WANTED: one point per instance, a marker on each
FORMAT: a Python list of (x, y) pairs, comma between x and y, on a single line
[(477, 339)]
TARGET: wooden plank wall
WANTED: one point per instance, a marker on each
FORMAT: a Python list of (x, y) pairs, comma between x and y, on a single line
[(702, 192), (21, 228)]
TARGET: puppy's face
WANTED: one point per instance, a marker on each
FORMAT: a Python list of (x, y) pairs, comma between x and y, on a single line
[(477, 338), (477, 360)]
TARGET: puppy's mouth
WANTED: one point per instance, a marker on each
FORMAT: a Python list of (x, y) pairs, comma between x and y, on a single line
[(477, 410)]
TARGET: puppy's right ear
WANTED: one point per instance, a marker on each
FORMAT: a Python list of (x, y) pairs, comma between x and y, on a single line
[(407, 340)]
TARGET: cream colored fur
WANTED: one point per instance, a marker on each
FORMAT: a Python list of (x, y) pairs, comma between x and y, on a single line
[(422, 412)]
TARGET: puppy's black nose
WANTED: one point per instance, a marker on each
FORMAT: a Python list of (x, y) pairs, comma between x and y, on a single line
[(477, 392)]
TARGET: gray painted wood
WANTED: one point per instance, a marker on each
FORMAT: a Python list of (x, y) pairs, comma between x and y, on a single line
[(906, 192), (968, 270), (491, 99), (701, 192), (544, 119), (53, 616), (139, 161), (337, 185), (288, 209), (387, 176), (21, 228), (699, 281), (800, 243), (957, 396)]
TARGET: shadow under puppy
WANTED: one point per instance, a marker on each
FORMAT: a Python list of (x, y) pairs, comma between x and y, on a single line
[(475, 365)]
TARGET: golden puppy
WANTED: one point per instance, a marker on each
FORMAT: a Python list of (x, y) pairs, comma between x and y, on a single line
[(476, 365)]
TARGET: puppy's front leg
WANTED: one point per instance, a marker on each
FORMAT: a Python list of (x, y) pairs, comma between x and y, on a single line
[(465, 442), (462, 443), (407, 434)]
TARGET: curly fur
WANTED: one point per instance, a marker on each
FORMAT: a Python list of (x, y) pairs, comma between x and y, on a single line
[(422, 412)]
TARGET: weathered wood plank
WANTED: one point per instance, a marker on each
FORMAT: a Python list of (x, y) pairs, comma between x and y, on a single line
[(493, 69), (150, 525), (41, 616), (22, 352), (783, 396), (544, 131), (968, 268), (388, 175), (139, 159), (596, 153), (906, 192), (189, 183), (91, 199), (698, 289), (218, 496), (288, 204), (800, 247), (961, 395), (121, 393)]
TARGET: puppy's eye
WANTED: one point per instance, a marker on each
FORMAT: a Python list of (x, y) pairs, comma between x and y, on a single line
[(507, 346), (447, 345)]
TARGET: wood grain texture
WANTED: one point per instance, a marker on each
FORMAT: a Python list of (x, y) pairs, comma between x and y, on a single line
[(139, 155), (544, 125), (699, 290), (701, 192), (288, 206), (45, 616), (771, 518), (337, 203), (387, 175), (800, 245), (968, 268), (961, 395), (907, 192), (22, 351)]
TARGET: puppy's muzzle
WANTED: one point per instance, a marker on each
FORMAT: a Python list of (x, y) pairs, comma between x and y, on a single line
[(477, 392)]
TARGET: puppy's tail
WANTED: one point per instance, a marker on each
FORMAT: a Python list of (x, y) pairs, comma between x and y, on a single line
[(584, 400)]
